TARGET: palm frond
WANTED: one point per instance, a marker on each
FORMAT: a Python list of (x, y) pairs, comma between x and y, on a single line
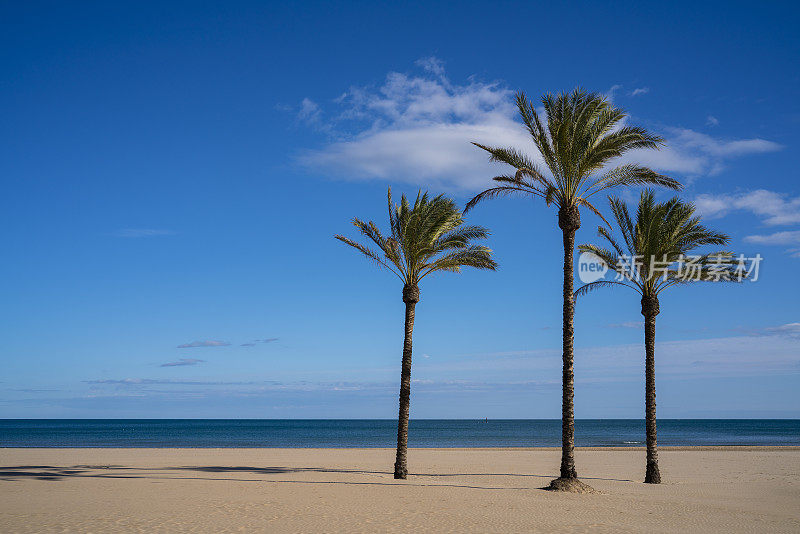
[(579, 138), (426, 235), (663, 235), (631, 175), (473, 256), (591, 286), (584, 202), (369, 253), (494, 192)]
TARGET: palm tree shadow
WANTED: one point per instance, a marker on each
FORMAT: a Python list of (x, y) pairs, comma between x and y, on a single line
[(550, 476), (55, 473), (274, 470)]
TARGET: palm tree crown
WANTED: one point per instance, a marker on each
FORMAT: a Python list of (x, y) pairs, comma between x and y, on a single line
[(424, 238), (579, 140), (663, 235)]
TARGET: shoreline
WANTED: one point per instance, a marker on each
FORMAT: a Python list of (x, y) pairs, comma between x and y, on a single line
[(612, 448)]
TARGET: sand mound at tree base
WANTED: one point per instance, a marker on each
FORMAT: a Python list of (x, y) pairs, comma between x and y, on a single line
[(570, 485)]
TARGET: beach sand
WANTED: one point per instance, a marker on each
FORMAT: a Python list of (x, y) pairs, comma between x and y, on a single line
[(746, 489)]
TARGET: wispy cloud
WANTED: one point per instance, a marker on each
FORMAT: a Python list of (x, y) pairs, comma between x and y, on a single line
[(309, 111), (789, 329), (257, 341), (698, 154), (773, 208), (712, 121), (311, 115), (141, 232), (612, 91), (778, 238), (640, 91), (242, 387), (182, 361), (629, 324), (433, 65), (207, 343), (165, 381), (417, 128), (768, 352)]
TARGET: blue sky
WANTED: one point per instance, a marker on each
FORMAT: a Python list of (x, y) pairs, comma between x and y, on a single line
[(174, 173)]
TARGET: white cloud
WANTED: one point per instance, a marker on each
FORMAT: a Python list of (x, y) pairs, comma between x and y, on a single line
[(715, 147), (778, 238), (612, 91), (207, 343), (153, 381), (256, 341), (309, 111), (432, 64), (182, 362), (789, 329), (712, 121), (629, 324), (791, 237), (774, 208), (141, 232), (696, 154), (418, 128), (640, 91)]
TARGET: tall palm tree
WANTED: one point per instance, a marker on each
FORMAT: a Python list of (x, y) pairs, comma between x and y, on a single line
[(582, 136), (657, 246), (425, 238)]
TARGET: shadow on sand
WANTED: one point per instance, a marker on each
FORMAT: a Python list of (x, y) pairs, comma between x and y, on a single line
[(54, 473)]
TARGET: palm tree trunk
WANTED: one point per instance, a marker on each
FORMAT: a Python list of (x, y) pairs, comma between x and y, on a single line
[(410, 297), (650, 309), (569, 221)]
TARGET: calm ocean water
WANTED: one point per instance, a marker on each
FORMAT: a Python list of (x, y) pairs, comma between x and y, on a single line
[(382, 432)]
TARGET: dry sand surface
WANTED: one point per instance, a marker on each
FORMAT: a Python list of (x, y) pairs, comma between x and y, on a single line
[(352, 490)]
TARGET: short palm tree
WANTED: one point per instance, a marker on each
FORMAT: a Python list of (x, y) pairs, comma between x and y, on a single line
[(581, 138), (425, 238), (657, 246)]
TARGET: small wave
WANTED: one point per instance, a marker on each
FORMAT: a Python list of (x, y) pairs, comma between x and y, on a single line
[(631, 442)]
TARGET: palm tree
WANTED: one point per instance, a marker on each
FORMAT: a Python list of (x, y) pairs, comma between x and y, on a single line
[(430, 236), (654, 258), (582, 136)]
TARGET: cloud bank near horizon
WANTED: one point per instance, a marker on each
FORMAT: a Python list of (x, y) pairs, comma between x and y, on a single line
[(767, 351), (523, 383)]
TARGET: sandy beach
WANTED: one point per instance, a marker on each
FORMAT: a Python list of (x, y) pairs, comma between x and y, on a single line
[(748, 489)]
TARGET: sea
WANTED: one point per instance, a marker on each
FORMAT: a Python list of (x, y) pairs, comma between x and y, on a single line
[(208, 433)]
